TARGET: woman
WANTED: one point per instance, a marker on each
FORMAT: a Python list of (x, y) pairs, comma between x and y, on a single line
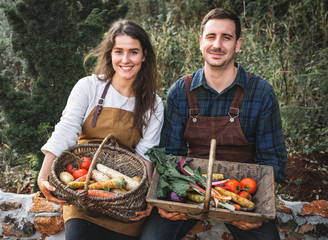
[(124, 86)]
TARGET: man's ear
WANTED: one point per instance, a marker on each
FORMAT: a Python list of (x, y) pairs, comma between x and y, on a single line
[(238, 45), (200, 42)]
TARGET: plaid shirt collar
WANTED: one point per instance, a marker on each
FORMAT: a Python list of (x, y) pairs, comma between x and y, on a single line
[(199, 79)]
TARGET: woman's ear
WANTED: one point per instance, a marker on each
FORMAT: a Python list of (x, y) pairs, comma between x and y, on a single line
[(145, 55)]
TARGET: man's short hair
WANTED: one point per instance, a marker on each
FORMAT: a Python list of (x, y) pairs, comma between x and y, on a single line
[(221, 13)]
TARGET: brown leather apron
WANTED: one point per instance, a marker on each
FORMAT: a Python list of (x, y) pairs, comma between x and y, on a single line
[(119, 123), (232, 144)]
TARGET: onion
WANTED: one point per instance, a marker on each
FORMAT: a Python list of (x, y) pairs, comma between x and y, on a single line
[(66, 177), (175, 197)]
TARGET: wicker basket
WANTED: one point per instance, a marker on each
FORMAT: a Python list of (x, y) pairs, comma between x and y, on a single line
[(122, 207)]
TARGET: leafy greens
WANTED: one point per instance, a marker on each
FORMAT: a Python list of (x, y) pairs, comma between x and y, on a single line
[(171, 179)]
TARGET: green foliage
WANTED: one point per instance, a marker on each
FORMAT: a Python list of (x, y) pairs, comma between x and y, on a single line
[(52, 37), (285, 42), (171, 179)]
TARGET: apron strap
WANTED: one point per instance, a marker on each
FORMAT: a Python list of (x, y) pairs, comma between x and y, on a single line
[(192, 101), (100, 104), (239, 95)]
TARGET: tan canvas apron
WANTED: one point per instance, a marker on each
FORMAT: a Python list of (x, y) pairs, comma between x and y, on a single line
[(232, 144), (117, 122)]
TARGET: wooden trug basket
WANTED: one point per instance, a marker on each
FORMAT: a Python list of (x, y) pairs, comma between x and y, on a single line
[(264, 197)]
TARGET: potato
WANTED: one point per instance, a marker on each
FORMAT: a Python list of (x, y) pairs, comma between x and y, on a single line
[(66, 177)]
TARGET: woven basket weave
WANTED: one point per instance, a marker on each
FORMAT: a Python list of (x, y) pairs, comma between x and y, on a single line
[(122, 207)]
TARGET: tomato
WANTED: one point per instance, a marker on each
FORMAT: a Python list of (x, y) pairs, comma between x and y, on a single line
[(79, 173), (245, 194), (249, 184), (233, 186), (85, 162), (70, 168)]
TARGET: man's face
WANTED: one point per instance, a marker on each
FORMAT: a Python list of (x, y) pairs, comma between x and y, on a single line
[(218, 43)]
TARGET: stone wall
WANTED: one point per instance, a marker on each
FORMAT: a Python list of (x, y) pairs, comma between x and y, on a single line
[(32, 217)]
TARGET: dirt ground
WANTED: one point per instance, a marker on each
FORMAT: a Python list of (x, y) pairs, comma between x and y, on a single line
[(307, 179)]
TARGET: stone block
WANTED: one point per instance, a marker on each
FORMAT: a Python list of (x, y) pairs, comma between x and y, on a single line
[(40, 204), (17, 228), (49, 225), (319, 207), (281, 207), (7, 206)]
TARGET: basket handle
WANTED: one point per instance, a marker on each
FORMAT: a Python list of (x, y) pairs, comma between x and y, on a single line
[(209, 177), (110, 137)]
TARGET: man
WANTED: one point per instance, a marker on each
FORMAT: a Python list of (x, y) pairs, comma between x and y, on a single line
[(222, 101)]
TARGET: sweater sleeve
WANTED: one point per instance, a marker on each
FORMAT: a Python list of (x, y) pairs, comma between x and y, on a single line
[(151, 133), (68, 129)]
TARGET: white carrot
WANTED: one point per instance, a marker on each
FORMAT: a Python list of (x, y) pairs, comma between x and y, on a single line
[(99, 176), (130, 183)]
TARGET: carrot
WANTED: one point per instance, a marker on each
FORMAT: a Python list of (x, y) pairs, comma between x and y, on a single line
[(136, 178), (216, 176), (130, 183), (99, 176), (75, 185), (237, 207), (81, 179), (236, 198), (195, 197), (119, 190), (111, 183), (99, 193)]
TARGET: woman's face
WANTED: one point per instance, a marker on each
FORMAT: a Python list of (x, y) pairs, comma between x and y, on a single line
[(127, 57)]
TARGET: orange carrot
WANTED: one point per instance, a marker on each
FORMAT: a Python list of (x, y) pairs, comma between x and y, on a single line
[(237, 207), (111, 183), (81, 179), (99, 193)]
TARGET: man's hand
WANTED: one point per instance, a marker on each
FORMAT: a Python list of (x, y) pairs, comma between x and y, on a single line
[(142, 214), (173, 216), (246, 225)]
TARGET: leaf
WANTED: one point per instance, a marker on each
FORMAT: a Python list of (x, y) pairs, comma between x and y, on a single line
[(171, 179)]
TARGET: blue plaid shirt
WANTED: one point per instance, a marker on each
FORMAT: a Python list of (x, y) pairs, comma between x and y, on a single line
[(259, 116)]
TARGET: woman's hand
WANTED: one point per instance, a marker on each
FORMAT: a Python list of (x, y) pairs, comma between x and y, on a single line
[(43, 183), (46, 190), (143, 214), (246, 225), (173, 216)]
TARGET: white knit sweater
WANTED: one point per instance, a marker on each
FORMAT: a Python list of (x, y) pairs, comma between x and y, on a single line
[(83, 98)]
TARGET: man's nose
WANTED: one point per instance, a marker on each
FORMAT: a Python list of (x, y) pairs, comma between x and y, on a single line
[(217, 43)]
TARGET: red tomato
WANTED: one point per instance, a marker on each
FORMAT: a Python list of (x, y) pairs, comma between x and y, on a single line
[(245, 194), (70, 168), (85, 162), (79, 173), (233, 186), (249, 184)]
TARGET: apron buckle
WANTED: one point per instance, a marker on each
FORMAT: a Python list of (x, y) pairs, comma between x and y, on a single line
[(232, 118), (194, 118)]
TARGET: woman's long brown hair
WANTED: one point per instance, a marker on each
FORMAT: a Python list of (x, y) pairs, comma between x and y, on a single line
[(145, 85)]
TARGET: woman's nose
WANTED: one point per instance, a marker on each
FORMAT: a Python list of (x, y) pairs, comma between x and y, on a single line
[(125, 57)]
